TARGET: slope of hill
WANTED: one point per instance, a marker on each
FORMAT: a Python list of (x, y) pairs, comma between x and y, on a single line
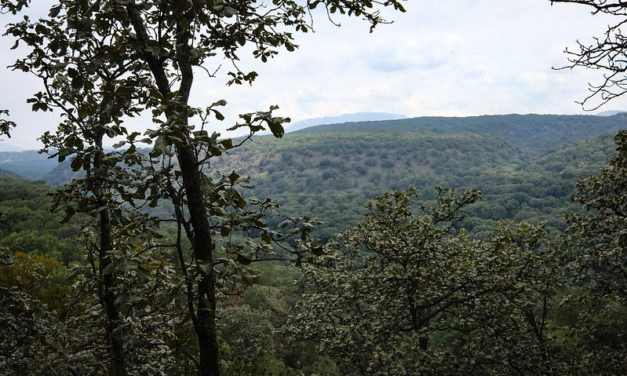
[(529, 134), (330, 172), (8, 174), (61, 174), (317, 163), (29, 226), (536, 132)]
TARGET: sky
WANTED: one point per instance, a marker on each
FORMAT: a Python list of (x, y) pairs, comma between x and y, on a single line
[(440, 58)]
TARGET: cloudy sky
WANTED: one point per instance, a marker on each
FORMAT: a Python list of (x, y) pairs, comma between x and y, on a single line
[(449, 58)]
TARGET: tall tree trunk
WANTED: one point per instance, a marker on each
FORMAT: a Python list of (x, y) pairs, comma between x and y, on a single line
[(204, 321), (107, 295), (202, 242)]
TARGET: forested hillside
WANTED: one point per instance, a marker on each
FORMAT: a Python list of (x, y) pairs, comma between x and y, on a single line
[(533, 133), (27, 224), (332, 174), (276, 326), (526, 165), (537, 132)]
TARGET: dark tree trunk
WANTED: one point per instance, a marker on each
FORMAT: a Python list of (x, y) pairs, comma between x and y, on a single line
[(204, 322), (115, 335), (107, 295), (202, 242)]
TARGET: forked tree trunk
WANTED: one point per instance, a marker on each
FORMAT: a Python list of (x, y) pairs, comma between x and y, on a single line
[(202, 242)]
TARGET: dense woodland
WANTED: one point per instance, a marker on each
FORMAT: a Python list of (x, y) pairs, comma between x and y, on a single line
[(331, 172), (279, 325), (488, 245)]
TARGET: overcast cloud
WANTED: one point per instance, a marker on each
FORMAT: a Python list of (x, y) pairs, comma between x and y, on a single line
[(450, 58)]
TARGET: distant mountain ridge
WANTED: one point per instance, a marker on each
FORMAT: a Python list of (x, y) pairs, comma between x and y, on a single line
[(29, 164), (610, 113), (536, 134), (345, 118)]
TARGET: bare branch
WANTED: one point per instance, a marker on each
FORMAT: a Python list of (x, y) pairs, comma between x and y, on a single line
[(607, 54)]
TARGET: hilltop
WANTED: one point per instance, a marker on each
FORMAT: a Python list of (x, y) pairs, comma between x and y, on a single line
[(536, 132)]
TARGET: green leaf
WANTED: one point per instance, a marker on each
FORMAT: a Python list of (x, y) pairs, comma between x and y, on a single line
[(266, 238), (69, 213), (233, 176), (276, 128), (77, 162), (230, 12), (77, 83), (227, 143), (243, 259), (54, 11), (180, 301), (317, 250), (218, 115)]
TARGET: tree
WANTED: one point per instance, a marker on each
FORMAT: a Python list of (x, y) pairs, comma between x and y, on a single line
[(90, 101), (407, 292), (601, 229), (599, 263), (156, 45), (605, 54), (24, 318)]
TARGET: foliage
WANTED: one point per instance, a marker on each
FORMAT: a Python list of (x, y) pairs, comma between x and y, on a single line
[(146, 289), (529, 134), (101, 61), (538, 133), (305, 174), (28, 225), (32, 329), (61, 324), (408, 292), (6, 125), (598, 263), (248, 332), (601, 230)]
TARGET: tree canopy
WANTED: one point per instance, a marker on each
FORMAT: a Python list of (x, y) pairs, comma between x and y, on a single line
[(407, 292), (103, 61)]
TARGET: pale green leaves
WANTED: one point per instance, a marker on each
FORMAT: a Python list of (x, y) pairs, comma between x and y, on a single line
[(407, 292), (262, 120), (601, 232)]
